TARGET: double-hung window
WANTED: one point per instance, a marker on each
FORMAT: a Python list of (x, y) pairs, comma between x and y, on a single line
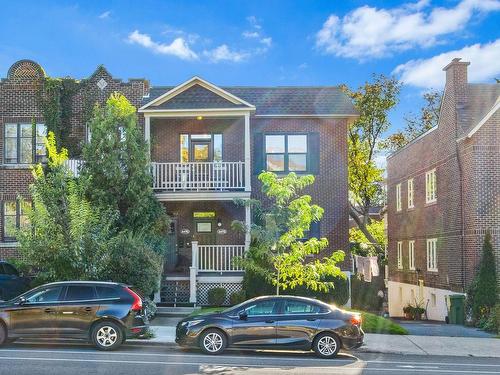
[(286, 152), (14, 216), (410, 193), (432, 254), (398, 197), (430, 186), (400, 255), (411, 255), (24, 143)]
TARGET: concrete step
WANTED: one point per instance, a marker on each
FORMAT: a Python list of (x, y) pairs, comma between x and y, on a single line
[(174, 311)]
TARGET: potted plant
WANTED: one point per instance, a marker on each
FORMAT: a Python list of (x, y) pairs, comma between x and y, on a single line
[(407, 310)]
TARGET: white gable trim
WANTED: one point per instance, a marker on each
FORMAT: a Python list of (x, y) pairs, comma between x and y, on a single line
[(190, 83), (485, 118)]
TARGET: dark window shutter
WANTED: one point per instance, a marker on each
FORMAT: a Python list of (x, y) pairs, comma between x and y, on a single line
[(258, 153), (315, 229), (313, 152)]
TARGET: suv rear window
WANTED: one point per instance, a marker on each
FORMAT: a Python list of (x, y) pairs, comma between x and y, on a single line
[(104, 292), (80, 293)]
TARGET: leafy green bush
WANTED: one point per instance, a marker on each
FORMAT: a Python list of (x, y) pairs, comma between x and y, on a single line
[(372, 323), (364, 295), (216, 296), (237, 297)]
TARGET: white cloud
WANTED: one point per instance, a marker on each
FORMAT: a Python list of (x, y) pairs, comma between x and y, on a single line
[(179, 46), (427, 73), (223, 53), (372, 32), (250, 34), (267, 41), (254, 22), (105, 15)]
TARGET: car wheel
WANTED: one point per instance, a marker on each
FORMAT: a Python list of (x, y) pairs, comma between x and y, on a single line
[(107, 336), (326, 345), (3, 334), (213, 341)]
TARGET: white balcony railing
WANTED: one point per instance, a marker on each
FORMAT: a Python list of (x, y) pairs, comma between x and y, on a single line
[(218, 176), (218, 258), (74, 166)]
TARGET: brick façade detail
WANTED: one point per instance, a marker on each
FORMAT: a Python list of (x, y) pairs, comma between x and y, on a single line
[(468, 193), (18, 103)]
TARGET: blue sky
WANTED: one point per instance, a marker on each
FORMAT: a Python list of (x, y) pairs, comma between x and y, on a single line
[(257, 42)]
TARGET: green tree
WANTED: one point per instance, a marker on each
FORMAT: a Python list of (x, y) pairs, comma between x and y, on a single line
[(483, 294), (416, 125), (278, 251), (116, 168), (373, 100), (66, 237), (364, 247)]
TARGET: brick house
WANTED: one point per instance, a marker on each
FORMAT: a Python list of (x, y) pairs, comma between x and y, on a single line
[(443, 196), (208, 144)]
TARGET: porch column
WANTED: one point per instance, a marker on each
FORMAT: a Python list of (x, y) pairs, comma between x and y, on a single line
[(147, 132), (248, 223), (247, 153), (349, 290), (193, 270)]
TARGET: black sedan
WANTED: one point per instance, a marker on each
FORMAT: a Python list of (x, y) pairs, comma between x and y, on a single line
[(274, 322), (101, 312)]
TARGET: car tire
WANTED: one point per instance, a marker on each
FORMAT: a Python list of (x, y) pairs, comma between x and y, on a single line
[(107, 335), (326, 345), (3, 334), (213, 341)]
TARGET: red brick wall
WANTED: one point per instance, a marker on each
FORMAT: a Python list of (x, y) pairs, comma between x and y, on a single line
[(165, 134), (330, 187), (477, 161)]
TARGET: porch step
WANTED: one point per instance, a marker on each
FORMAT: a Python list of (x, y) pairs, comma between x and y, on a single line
[(174, 311)]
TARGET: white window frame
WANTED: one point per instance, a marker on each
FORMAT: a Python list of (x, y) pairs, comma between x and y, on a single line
[(430, 186), (398, 198), (411, 203), (411, 255), (432, 255), (400, 254)]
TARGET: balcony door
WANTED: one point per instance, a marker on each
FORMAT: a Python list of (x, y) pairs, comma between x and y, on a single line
[(201, 151)]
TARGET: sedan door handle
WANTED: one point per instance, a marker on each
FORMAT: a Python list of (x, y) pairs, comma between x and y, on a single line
[(311, 319), (269, 321), (49, 310), (88, 309)]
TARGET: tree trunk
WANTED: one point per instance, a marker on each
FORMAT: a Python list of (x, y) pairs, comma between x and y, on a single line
[(362, 227)]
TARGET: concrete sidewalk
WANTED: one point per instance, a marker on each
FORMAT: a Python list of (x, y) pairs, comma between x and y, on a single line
[(391, 344)]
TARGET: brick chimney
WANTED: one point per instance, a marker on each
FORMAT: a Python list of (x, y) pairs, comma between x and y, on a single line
[(456, 79)]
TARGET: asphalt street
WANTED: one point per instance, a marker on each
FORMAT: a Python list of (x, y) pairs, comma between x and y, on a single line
[(79, 358)]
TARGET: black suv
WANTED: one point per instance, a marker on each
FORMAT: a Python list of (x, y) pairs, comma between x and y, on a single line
[(11, 282), (103, 313)]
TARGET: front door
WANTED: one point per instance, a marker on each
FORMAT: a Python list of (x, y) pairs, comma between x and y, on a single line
[(259, 326), (172, 254), (39, 313)]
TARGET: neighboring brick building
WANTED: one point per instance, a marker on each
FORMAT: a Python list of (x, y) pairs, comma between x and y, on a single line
[(208, 145), (443, 196)]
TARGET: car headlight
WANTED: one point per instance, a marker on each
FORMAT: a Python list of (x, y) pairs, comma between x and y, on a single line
[(191, 323)]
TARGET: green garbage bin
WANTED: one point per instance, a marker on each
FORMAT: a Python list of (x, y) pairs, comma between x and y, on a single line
[(457, 309)]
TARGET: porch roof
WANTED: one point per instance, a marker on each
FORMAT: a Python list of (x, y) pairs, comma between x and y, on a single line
[(268, 101)]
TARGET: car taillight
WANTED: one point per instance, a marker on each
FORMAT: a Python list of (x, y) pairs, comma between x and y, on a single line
[(356, 320), (137, 305)]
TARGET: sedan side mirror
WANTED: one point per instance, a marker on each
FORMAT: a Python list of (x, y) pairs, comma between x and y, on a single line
[(22, 301), (243, 315)]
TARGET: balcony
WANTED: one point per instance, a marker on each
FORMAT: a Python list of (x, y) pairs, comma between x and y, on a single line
[(199, 177)]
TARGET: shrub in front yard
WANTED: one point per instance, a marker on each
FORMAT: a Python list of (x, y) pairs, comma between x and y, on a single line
[(217, 296), (372, 323), (237, 297)]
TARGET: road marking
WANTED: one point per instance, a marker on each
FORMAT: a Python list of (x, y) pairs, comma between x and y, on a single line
[(261, 357), (233, 366)]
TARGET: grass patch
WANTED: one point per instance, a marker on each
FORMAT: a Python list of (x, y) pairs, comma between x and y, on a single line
[(372, 323)]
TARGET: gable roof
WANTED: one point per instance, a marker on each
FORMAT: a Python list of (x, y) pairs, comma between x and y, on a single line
[(482, 102), (195, 93), (268, 101)]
